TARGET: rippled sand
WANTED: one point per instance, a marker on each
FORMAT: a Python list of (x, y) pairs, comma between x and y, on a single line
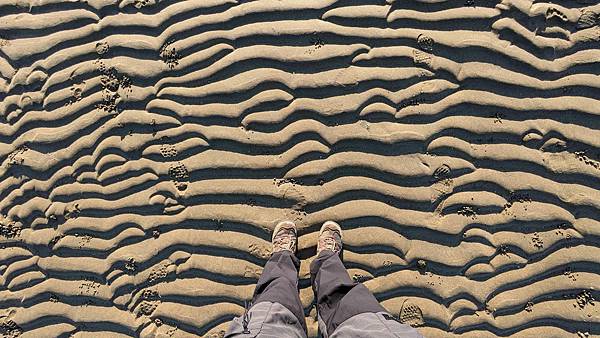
[(149, 147)]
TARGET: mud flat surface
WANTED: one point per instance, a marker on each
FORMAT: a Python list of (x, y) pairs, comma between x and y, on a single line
[(148, 148)]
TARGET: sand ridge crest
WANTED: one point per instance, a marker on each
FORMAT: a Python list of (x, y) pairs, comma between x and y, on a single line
[(148, 148)]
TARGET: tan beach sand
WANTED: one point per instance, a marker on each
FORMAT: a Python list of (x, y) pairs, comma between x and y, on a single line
[(149, 147)]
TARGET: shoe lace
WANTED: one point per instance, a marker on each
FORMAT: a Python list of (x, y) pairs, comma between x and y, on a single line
[(284, 238), (330, 242)]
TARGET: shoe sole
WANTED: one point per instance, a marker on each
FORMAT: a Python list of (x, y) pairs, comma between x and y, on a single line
[(286, 225)]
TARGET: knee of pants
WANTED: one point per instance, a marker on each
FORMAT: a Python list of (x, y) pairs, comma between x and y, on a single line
[(267, 319), (380, 324)]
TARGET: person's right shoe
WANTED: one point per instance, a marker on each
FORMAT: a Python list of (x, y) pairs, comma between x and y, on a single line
[(330, 238), (285, 237)]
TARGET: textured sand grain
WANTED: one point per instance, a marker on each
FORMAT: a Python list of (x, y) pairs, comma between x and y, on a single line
[(149, 147)]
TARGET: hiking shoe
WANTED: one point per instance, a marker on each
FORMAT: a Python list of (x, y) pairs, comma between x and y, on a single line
[(285, 237), (330, 238)]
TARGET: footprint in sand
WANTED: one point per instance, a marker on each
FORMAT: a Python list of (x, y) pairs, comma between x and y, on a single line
[(581, 156), (168, 151), (555, 13), (178, 171), (172, 331), (17, 157), (357, 277), (289, 191), (76, 92), (72, 211), (583, 299), (516, 197), (111, 81), (179, 175), (442, 185), (89, 288), (529, 306), (411, 314), (588, 19), (537, 241), (425, 43), (442, 172), (102, 47), (150, 301), (8, 328), (83, 240), (467, 211), (259, 251), (422, 59), (317, 43), (570, 274), (131, 265), (169, 55), (251, 272), (159, 272), (218, 334)]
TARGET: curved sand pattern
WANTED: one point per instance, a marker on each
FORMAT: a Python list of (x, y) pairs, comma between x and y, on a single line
[(148, 147)]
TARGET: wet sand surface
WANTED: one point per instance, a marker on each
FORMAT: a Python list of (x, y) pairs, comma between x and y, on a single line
[(149, 147)]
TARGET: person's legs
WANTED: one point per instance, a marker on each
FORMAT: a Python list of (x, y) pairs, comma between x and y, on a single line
[(338, 297), (279, 284), (346, 308), (276, 307)]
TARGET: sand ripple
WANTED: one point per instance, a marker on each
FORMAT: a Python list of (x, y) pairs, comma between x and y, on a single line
[(148, 147)]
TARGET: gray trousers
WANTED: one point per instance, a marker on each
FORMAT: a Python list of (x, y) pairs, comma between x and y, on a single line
[(345, 308)]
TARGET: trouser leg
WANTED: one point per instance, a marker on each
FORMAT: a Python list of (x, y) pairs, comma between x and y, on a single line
[(338, 297), (279, 284)]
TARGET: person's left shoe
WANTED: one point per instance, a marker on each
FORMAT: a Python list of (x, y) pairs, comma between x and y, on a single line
[(330, 238), (285, 237)]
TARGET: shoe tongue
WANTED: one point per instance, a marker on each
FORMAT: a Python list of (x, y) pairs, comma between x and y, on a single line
[(287, 231), (333, 233)]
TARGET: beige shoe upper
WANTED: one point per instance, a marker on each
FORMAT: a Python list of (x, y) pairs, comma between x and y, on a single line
[(285, 237), (330, 238)]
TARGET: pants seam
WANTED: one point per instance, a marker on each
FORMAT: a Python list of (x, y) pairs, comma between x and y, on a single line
[(265, 319)]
